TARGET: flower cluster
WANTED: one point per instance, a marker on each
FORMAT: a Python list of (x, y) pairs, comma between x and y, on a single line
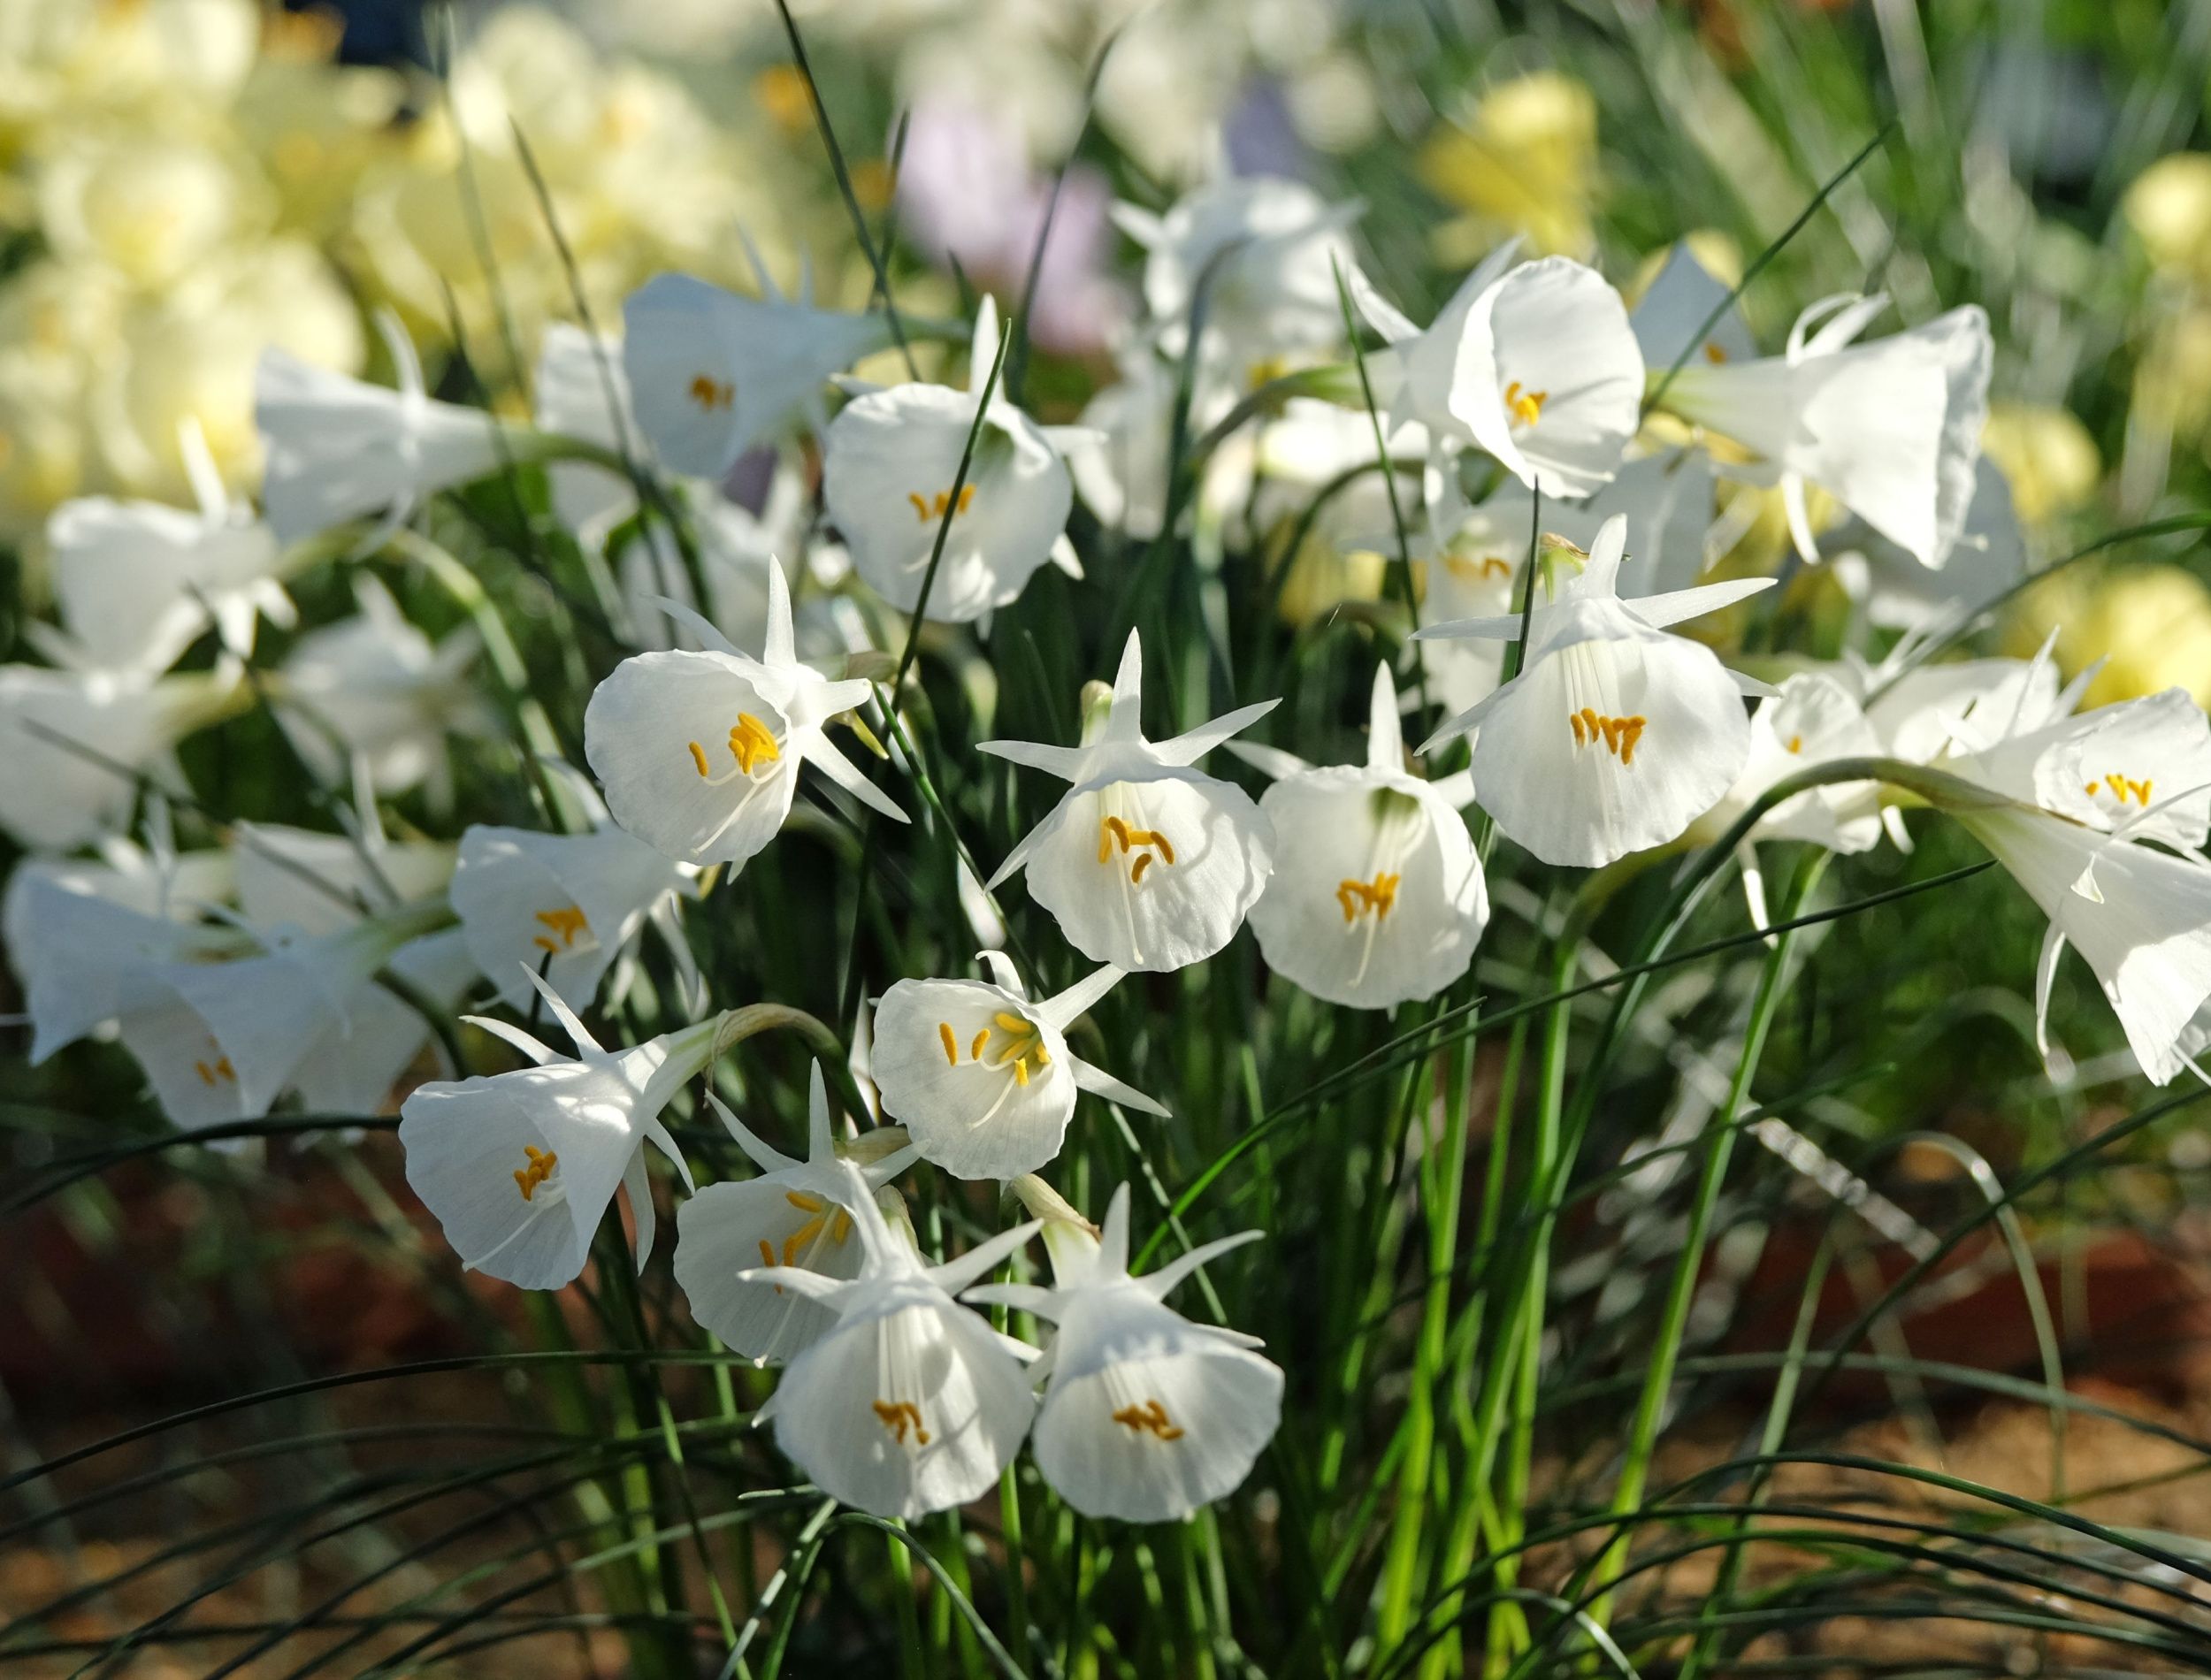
[(1558, 467)]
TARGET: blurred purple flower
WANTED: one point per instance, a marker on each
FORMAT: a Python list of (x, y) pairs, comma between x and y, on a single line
[(968, 195)]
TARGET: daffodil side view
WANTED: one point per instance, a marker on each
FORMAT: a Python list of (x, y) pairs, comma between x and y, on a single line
[(1376, 825)]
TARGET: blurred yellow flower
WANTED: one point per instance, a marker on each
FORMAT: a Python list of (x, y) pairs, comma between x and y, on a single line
[(1523, 162), (2168, 207), (2047, 455), (2172, 379), (149, 206), (2153, 621)]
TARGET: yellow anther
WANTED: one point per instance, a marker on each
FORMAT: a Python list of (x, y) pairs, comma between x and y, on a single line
[(804, 1202), (840, 1227), (2123, 788), (215, 1072), (712, 394), (697, 756), (799, 1238), (1479, 571), (751, 742), (974, 1050), (927, 508), (563, 925), (1021, 1071), (540, 1168), (1150, 1418), (899, 1415), (952, 1044), (1526, 406), (1112, 831), (1013, 1023), (1796, 744), (1714, 354), (1378, 896), (1619, 735), (1136, 870), (768, 1258)]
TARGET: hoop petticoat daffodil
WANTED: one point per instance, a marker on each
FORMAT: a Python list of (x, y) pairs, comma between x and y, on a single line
[(699, 752), (1536, 365), (710, 373), (1377, 896), (908, 1402), (1892, 430), (1145, 863), (1146, 1415), (794, 1214), (888, 464), (2141, 767), (341, 449), (1615, 736), (519, 1167), (982, 1077), (567, 904)]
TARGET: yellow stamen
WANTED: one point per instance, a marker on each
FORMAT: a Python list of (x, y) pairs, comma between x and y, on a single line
[(2123, 788), (1714, 354), (214, 1072), (540, 1168), (751, 742), (1526, 406), (697, 756), (925, 510), (840, 1227), (804, 1202), (897, 1417), (1796, 744), (712, 394), (1618, 734), (1378, 896), (799, 1238), (974, 1050), (1479, 571), (951, 1045), (768, 1258), (1150, 1418), (1112, 831), (1012, 1023), (563, 925)]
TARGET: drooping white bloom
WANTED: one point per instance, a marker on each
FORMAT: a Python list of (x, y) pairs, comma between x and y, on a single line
[(373, 689), (1535, 364), (1891, 429), (1147, 1417), (1615, 736), (1265, 252), (568, 904), (1145, 863), (908, 1402), (341, 449), (794, 1214), (700, 752), (984, 1077), (887, 470), (1988, 558), (1921, 711), (710, 373), (136, 582), (2141, 767), (1377, 896), (520, 1167), (74, 743)]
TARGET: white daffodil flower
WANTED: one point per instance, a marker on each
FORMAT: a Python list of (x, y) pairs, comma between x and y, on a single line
[(908, 1402), (75, 744), (1264, 251), (1891, 429), (1535, 364), (711, 374), (887, 470), (341, 449), (1680, 300), (2141, 767), (373, 689), (566, 904), (136, 582), (1377, 896), (794, 1214), (1921, 713), (1615, 736), (1145, 863), (1474, 569), (1146, 1417), (700, 752), (520, 1167), (1988, 558), (982, 1077)]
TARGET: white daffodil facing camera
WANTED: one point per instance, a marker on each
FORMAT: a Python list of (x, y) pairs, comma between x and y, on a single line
[(519, 1167), (699, 752), (888, 463), (1145, 863), (710, 373), (341, 449), (1377, 898), (908, 1402), (982, 1077), (1615, 736), (1146, 1415), (794, 1214), (1535, 364)]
